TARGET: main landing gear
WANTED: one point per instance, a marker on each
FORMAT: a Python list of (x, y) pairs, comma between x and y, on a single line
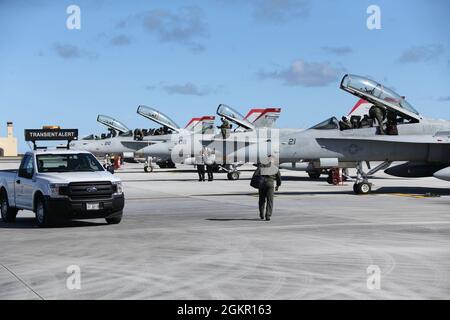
[(362, 185), (232, 171)]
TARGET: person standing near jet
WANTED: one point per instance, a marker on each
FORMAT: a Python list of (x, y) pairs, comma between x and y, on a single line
[(199, 161), (270, 174), (224, 127), (208, 160), (379, 114)]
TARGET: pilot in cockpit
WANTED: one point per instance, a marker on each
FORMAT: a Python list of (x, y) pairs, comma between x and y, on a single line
[(345, 124)]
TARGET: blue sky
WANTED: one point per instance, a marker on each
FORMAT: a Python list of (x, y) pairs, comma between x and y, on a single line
[(187, 57)]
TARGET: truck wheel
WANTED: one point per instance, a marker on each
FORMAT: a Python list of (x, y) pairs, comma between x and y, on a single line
[(8, 214), (42, 215), (114, 220)]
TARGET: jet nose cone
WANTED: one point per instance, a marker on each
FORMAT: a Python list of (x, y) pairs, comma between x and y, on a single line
[(443, 174)]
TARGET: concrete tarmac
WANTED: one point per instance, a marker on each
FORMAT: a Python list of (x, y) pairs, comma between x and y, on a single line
[(184, 239)]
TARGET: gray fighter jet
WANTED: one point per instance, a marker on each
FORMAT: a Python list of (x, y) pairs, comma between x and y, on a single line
[(132, 144), (182, 148), (392, 131)]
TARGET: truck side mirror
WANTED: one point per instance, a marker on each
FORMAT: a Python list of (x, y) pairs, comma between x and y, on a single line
[(23, 173)]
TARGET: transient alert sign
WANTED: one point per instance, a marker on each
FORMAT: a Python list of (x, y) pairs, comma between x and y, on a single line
[(51, 134)]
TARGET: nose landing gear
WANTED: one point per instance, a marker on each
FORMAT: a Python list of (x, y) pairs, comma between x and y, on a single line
[(362, 185)]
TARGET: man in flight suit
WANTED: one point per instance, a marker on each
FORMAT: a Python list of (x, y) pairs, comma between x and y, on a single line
[(224, 127), (379, 114), (208, 159), (199, 161), (270, 174)]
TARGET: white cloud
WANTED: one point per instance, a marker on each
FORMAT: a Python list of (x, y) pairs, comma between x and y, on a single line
[(307, 74)]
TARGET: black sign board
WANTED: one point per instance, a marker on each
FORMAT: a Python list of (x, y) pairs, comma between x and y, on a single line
[(51, 134)]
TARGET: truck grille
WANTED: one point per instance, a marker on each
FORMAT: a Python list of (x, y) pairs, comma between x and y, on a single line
[(90, 190)]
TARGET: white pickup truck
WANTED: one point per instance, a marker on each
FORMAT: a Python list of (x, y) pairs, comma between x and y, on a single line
[(61, 184)]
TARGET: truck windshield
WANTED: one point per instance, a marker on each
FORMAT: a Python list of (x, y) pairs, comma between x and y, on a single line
[(81, 162)]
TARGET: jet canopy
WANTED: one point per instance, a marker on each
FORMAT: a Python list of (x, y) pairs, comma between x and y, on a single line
[(329, 124), (229, 113), (112, 123), (158, 117), (378, 95)]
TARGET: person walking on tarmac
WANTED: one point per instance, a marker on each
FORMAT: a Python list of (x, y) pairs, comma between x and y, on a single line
[(224, 128), (269, 175), (199, 161)]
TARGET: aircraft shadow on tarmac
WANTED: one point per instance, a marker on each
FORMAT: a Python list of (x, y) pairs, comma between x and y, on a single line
[(415, 191), (335, 191), (278, 193), (29, 223)]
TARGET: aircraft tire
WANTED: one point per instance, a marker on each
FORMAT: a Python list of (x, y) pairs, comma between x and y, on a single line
[(233, 175), (363, 188), (314, 175), (330, 179), (148, 169)]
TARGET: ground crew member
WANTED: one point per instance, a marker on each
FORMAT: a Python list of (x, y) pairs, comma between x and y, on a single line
[(107, 161), (208, 160), (200, 166), (270, 174), (224, 127)]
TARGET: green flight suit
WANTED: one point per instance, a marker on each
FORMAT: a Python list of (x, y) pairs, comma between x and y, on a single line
[(224, 129), (266, 191)]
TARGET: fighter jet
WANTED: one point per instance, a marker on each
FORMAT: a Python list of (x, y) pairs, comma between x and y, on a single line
[(131, 144), (180, 148), (408, 137), (392, 131)]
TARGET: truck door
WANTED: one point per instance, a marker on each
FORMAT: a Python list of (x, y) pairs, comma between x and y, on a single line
[(24, 184)]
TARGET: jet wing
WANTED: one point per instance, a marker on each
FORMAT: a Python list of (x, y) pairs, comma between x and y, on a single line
[(137, 145), (412, 139)]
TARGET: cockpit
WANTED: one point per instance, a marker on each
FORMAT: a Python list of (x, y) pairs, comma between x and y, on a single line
[(329, 124), (115, 128), (379, 95), (386, 109), (158, 117), (229, 113)]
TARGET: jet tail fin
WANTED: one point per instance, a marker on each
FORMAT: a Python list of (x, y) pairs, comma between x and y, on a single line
[(361, 108), (263, 118)]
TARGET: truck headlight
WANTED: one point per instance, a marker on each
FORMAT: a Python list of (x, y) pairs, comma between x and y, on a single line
[(58, 190), (118, 189)]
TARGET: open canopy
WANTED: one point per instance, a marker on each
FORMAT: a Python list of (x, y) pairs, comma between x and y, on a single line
[(229, 113), (158, 117), (112, 123), (379, 95)]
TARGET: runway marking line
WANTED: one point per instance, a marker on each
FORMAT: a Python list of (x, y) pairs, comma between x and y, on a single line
[(21, 281)]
